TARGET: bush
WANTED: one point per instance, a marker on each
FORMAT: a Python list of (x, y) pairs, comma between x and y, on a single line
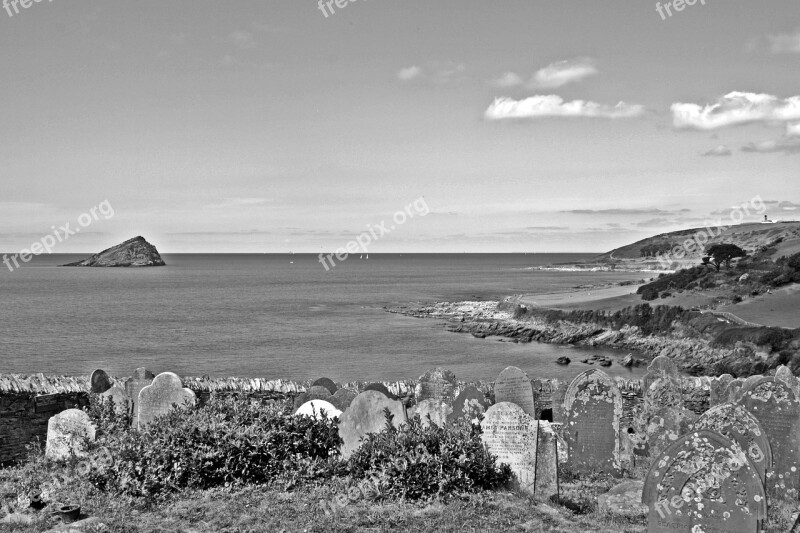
[(416, 462), (666, 294), (648, 295), (227, 441), (736, 299)]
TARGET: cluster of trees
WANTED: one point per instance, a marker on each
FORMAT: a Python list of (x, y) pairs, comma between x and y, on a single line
[(652, 250), (787, 271), (719, 254), (650, 320)]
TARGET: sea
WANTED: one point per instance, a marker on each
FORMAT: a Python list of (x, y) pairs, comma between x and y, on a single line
[(277, 316)]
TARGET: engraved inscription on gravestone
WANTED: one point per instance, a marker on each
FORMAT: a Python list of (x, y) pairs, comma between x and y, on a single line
[(436, 384), (68, 433), (511, 435), (513, 385)]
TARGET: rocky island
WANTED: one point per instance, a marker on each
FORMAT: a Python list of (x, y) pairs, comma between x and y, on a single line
[(136, 252)]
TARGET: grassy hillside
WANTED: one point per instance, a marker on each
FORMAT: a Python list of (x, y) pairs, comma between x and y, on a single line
[(750, 237)]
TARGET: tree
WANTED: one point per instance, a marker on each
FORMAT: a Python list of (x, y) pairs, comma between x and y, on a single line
[(724, 253)]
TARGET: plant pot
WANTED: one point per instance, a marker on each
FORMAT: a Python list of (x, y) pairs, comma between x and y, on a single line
[(37, 503), (69, 513)]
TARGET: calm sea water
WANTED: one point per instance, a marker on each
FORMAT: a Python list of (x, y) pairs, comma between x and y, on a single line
[(275, 316)]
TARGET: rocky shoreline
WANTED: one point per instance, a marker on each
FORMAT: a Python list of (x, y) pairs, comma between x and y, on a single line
[(693, 354)]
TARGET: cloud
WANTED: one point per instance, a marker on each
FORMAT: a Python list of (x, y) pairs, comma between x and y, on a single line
[(618, 212), (554, 106), (409, 73), (562, 73), (784, 145), (788, 206), (719, 151), (785, 43), (240, 202), (242, 39), (547, 228), (508, 79), (793, 130), (654, 222), (735, 108)]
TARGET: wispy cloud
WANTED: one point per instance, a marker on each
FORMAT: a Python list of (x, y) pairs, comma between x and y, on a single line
[(562, 73), (719, 151), (793, 130), (240, 202), (242, 39), (409, 73), (506, 80), (785, 145), (735, 108), (649, 211), (785, 43), (542, 106)]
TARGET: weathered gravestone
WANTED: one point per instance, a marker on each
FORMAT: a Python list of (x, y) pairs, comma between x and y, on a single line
[(734, 388), (328, 383), (318, 392), (343, 398), (141, 378), (778, 412), (379, 387), (159, 397), (782, 373), (120, 400), (366, 415), (735, 423), (663, 392), (436, 384), (593, 409), (513, 385), (704, 483), (318, 409), (68, 433), (100, 381), (559, 388), (719, 390), (665, 426), (661, 367), (300, 399), (514, 437), (469, 405), (437, 410)]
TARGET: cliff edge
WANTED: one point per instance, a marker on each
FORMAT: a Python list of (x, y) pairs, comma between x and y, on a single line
[(136, 252)]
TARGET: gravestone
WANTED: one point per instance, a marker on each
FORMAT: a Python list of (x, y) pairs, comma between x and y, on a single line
[(593, 409), (68, 433), (736, 424), (665, 426), (133, 386), (734, 388), (547, 461), (328, 383), (513, 436), (719, 390), (777, 410), (513, 385), (300, 399), (379, 387), (704, 483), (436, 384), (120, 399), (366, 415), (158, 398), (100, 381), (316, 408), (785, 375), (559, 388), (318, 392), (343, 398), (470, 405), (661, 367), (663, 392), (438, 410)]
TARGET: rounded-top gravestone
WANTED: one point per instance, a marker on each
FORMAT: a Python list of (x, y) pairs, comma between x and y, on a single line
[(68, 433), (366, 415), (469, 405), (318, 409), (433, 411), (140, 379), (159, 398), (514, 386), (328, 383), (100, 381), (379, 387), (436, 384), (343, 398), (318, 392)]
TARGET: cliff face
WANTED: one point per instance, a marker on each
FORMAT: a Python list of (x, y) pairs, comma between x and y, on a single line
[(136, 252)]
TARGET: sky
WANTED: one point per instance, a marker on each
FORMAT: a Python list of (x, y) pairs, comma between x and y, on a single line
[(283, 125)]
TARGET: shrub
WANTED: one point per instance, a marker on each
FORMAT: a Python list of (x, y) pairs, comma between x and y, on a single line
[(416, 461), (227, 441), (736, 299), (666, 294), (648, 295)]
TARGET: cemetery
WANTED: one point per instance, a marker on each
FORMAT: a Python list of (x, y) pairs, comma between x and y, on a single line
[(667, 453)]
